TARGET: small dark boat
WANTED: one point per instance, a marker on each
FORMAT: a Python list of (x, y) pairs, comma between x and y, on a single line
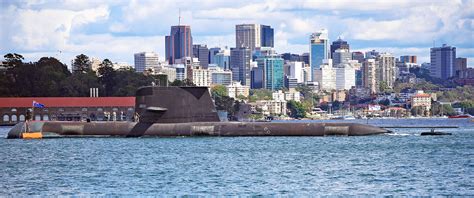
[(460, 116), (432, 132)]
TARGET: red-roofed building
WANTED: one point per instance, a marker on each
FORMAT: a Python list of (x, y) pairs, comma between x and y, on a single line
[(13, 110)]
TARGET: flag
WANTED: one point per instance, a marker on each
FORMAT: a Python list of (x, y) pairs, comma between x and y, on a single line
[(37, 105)]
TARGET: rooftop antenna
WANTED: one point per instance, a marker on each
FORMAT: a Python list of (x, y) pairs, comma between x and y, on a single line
[(179, 18)]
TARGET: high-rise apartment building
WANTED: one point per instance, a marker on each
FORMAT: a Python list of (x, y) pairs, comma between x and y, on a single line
[(319, 49), (443, 60), (386, 69), (179, 43), (369, 75), (144, 60)]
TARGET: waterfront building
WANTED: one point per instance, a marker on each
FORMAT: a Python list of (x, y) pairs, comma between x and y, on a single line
[(144, 60), (421, 99), (339, 44), (202, 53), (319, 49), (240, 59), (13, 109), (179, 43), (443, 60), (236, 89)]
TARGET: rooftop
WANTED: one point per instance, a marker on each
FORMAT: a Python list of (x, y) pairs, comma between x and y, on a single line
[(69, 101)]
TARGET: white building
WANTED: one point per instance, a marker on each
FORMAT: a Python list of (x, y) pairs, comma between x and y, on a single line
[(201, 77), (296, 71), (335, 78), (219, 76), (236, 89), (168, 71), (144, 60), (121, 65), (286, 96)]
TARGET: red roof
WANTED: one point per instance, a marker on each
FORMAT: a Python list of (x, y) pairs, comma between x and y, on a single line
[(69, 102)]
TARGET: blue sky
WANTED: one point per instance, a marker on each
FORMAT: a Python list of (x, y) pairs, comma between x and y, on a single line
[(117, 29)]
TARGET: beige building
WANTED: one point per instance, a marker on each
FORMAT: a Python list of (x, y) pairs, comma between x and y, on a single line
[(236, 89), (369, 79), (202, 77), (421, 99)]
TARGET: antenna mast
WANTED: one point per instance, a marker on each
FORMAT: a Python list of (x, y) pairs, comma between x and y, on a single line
[(179, 18)]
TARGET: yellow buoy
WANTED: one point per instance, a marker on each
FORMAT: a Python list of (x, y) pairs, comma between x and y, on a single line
[(32, 135)]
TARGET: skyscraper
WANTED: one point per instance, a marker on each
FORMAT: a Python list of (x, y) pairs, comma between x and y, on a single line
[(253, 36), (179, 43), (144, 60), (339, 44), (319, 49), (247, 35), (272, 67), (461, 65), (240, 64), (212, 53), (341, 55), (443, 60), (222, 59), (202, 53), (266, 36)]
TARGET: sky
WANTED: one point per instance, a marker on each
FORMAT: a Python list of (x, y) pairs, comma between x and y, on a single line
[(116, 29)]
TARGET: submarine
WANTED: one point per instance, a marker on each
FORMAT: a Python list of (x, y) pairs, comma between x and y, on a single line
[(182, 111)]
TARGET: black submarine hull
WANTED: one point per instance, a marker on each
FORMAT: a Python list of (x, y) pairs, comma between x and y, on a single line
[(55, 129)]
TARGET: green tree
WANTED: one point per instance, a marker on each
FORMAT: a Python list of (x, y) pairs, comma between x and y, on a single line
[(297, 109), (107, 76), (81, 64), (219, 90)]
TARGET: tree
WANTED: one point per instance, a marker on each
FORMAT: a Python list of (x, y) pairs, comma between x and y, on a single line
[(385, 102), (81, 64), (297, 109), (219, 90), (107, 76), (185, 83)]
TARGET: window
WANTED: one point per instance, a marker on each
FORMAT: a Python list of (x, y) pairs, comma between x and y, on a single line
[(114, 109), (130, 109), (84, 109), (13, 110), (100, 109), (6, 118), (60, 109), (14, 118), (45, 117), (38, 117), (22, 118)]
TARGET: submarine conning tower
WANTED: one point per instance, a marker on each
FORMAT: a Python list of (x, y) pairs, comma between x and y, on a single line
[(175, 105)]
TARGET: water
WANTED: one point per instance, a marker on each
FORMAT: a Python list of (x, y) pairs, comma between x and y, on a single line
[(403, 163)]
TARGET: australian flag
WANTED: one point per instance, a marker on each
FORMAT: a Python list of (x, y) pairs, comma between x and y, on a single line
[(37, 105)]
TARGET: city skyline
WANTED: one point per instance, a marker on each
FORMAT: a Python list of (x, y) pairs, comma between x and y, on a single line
[(118, 30)]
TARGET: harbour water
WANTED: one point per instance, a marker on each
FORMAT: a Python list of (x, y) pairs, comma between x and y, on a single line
[(402, 163)]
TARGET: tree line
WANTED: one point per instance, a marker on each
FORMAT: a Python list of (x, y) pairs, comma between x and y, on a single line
[(48, 77)]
